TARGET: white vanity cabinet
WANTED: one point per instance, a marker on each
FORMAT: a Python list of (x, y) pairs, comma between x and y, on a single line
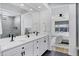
[(40, 46), (23, 50), (32, 48)]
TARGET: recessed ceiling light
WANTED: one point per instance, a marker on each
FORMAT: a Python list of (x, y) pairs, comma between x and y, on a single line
[(22, 4), (39, 7), (31, 9)]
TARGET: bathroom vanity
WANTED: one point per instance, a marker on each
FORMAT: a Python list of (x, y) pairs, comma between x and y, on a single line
[(24, 46)]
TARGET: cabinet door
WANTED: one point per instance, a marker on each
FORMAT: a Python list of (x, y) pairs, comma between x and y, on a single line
[(43, 45), (29, 49), (36, 47), (40, 46), (45, 41), (12, 52)]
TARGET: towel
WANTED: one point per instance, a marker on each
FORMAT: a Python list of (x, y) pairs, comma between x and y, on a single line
[(53, 41)]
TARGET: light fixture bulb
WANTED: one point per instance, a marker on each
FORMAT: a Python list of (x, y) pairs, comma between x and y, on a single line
[(39, 7), (22, 4), (31, 9)]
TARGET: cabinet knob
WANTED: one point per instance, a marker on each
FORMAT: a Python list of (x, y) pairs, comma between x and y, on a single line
[(44, 41), (22, 47), (37, 41)]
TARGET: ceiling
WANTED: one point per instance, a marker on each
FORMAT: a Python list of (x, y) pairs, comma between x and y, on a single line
[(13, 9), (53, 5)]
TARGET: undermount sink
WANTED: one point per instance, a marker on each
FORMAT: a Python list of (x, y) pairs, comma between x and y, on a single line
[(17, 40)]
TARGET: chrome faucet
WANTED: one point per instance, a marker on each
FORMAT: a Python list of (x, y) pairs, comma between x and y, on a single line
[(12, 37)]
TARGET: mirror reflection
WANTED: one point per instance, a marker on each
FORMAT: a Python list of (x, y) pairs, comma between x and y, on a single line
[(10, 24)]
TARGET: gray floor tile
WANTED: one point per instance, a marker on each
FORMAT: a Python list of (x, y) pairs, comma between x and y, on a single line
[(54, 53)]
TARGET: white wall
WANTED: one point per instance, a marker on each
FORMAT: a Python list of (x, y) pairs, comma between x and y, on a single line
[(72, 26), (64, 10)]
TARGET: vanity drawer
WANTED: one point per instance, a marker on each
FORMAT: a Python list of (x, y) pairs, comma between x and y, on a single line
[(11, 52)]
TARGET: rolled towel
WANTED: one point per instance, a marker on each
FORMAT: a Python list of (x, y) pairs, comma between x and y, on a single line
[(53, 41)]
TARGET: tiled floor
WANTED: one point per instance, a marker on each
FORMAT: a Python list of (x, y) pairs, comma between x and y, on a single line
[(54, 53)]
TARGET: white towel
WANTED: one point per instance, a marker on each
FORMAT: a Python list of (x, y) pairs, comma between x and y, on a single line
[(53, 41)]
